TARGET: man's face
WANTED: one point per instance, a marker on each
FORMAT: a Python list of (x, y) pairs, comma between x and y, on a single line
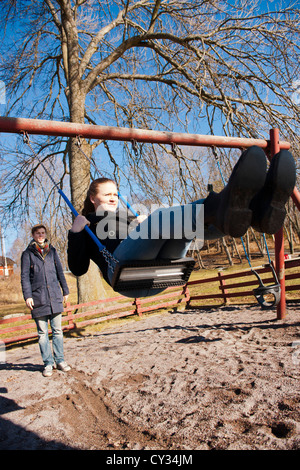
[(39, 235)]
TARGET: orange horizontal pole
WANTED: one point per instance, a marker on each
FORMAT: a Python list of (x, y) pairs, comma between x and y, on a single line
[(71, 129)]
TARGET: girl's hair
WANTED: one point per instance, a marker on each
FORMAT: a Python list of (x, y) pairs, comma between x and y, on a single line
[(88, 206)]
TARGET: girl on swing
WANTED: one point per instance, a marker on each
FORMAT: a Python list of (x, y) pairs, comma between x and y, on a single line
[(253, 197)]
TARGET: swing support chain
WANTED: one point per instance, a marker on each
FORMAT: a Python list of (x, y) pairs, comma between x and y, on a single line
[(135, 147)]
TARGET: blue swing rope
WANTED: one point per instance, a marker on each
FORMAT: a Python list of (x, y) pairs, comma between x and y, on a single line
[(267, 249)]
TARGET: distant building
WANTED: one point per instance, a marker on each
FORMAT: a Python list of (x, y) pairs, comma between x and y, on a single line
[(8, 269)]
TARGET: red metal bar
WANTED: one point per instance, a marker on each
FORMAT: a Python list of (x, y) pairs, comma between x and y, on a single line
[(70, 129), (279, 239)]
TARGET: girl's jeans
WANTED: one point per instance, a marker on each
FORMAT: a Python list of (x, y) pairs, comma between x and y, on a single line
[(166, 234), (57, 339)]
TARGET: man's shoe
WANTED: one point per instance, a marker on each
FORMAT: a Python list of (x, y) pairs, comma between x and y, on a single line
[(48, 371), (63, 366), (229, 211), (268, 206)]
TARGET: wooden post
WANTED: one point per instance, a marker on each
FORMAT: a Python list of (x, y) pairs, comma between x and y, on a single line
[(187, 295), (68, 309), (223, 289), (137, 303)]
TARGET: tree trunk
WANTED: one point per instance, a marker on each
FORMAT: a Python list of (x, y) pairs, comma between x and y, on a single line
[(90, 286), (256, 241), (224, 244), (236, 249)]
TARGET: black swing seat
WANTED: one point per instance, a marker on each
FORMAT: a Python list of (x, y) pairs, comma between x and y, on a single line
[(262, 291), (152, 274)]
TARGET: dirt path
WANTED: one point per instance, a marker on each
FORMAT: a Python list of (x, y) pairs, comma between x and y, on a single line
[(202, 379)]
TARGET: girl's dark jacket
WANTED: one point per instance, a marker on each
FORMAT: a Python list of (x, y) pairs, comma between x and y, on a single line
[(43, 280), (82, 249)]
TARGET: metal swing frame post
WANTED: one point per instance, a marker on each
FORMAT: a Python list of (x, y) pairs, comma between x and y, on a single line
[(279, 238), (275, 147)]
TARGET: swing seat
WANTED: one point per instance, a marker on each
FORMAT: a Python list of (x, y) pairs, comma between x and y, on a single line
[(262, 291), (152, 274)]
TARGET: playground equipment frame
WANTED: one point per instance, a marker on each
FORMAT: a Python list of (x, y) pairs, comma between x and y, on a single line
[(69, 129)]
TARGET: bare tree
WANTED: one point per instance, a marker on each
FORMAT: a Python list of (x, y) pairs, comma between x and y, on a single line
[(204, 66)]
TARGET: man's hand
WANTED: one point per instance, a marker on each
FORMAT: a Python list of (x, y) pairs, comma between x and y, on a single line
[(29, 303)]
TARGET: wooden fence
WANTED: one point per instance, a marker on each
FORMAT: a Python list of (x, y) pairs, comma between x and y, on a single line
[(23, 328), (229, 290)]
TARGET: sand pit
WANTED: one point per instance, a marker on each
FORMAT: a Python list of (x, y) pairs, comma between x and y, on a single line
[(194, 380)]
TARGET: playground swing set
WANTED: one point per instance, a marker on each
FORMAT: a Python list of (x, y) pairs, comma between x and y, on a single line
[(156, 274)]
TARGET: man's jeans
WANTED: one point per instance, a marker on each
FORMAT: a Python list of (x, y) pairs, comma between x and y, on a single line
[(57, 339)]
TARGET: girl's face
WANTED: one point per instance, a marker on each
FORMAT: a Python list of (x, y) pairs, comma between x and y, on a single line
[(107, 197)]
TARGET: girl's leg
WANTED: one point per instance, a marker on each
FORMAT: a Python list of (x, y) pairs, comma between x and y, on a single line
[(165, 241), (174, 249), (166, 233)]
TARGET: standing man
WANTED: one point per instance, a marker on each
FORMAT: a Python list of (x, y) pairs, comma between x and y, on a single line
[(44, 288)]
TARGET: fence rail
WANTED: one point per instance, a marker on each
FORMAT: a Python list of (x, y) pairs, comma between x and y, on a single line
[(81, 315)]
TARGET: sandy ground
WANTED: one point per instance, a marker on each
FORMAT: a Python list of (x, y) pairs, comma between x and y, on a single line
[(225, 378)]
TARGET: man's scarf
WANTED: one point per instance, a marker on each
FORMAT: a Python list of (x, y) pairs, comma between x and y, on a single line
[(42, 248)]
